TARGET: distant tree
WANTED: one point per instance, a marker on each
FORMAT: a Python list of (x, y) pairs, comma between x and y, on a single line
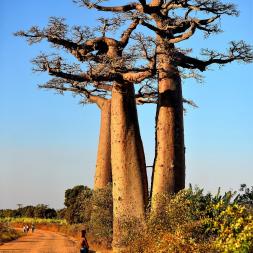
[(28, 211), (245, 196), (7, 213), (38, 211), (78, 204), (43, 211)]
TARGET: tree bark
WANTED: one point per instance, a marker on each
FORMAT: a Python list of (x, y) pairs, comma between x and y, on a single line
[(130, 188), (169, 164), (103, 174)]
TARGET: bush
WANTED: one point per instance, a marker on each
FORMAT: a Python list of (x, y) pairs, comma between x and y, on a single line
[(100, 224), (78, 204), (92, 210), (7, 234), (233, 227), (177, 226), (191, 221)]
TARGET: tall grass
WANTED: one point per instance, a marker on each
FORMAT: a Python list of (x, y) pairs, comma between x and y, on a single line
[(27, 220)]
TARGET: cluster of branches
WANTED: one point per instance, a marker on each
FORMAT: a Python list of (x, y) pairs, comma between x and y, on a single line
[(100, 68), (180, 19)]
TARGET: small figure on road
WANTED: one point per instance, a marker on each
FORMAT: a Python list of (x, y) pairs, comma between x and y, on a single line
[(27, 228), (33, 228), (24, 229), (84, 243)]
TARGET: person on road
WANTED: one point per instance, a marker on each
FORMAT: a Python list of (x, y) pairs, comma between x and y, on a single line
[(33, 228), (84, 243)]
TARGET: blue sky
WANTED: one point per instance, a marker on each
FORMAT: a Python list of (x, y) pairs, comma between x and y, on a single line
[(48, 142)]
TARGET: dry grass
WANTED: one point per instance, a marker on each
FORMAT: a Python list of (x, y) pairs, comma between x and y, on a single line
[(8, 234)]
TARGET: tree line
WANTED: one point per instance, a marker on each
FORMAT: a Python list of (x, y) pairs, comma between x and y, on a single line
[(39, 211), (144, 64)]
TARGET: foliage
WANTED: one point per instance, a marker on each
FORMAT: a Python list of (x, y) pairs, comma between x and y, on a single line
[(78, 204), (39, 211), (93, 209), (100, 225), (246, 195), (7, 234), (191, 221), (233, 227)]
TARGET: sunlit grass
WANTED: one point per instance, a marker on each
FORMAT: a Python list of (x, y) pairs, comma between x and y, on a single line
[(33, 220)]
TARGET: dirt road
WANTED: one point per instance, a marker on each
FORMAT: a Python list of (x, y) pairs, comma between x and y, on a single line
[(41, 242)]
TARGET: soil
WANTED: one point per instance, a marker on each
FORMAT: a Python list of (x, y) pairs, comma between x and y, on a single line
[(41, 242)]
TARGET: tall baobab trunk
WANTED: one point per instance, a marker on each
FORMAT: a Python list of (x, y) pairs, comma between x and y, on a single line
[(130, 191), (103, 174), (169, 164)]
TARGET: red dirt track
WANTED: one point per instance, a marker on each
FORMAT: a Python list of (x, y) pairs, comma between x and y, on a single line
[(41, 242)]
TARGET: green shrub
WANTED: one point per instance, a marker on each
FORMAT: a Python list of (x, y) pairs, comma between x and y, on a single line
[(78, 204), (7, 234), (191, 221), (100, 225), (176, 226)]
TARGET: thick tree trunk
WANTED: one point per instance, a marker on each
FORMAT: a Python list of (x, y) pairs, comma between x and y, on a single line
[(130, 188), (169, 164), (103, 174)]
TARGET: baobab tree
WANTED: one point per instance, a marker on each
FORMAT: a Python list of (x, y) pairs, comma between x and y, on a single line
[(172, 22), (105, 61), (98, 95)]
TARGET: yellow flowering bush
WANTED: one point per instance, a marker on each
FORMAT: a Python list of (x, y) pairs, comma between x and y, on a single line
[(191, 221), (234, 228)]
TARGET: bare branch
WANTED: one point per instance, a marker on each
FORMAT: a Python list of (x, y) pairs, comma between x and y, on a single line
[(238, 51), (141, 74), (109, 24), (190, 102), (127, 33), (208, 6), (179, 26), (122, 8), (59, 84), (103, 86), (153, 28), (186, 35), (147, 94)]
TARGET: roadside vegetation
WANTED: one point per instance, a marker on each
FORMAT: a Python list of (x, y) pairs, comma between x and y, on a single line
[(8, 234), (189, 221), (192, 221)]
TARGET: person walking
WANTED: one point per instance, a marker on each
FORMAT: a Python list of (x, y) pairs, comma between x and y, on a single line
[(84, 243)]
